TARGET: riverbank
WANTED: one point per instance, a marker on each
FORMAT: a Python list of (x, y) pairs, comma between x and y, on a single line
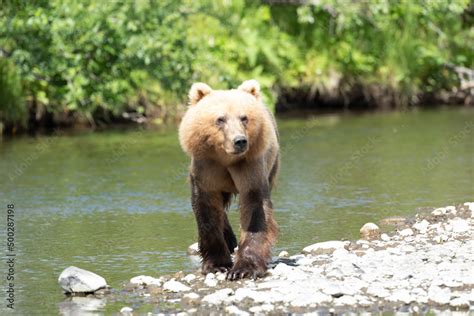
[(425, 264)]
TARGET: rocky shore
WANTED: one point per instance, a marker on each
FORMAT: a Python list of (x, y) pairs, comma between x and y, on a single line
[(425, 264)]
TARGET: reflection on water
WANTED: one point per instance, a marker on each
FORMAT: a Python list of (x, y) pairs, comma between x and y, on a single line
[(117, 203), (83, 306)]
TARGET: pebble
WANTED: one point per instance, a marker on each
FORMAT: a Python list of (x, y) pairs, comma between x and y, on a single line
[(221, 276), (439, 295), (439, 211), (265, 308), (218, 297), (385, 237), (234, 310), (345, 300), (459, 302), (283, 254), (459, 225), (145, 280), (405, 271), (175, 286), (440, 238), (401, 296), (191, 298), (189, 277), (422, 226), (193, 250), (470, 206), (325, 247), (406, 232), (210, 280), (126, 310)]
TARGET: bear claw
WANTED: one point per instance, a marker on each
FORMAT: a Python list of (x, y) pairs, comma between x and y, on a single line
[(210, 268), (242, 273)]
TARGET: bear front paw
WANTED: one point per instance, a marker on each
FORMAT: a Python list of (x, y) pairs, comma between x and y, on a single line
[(245, 269), (211, 267)]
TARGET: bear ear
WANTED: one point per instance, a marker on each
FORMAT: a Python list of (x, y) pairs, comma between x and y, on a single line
[(251, 86), (198, 91)]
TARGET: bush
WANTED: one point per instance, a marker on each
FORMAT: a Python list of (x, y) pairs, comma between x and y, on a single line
[(88, 57), (12, 105)]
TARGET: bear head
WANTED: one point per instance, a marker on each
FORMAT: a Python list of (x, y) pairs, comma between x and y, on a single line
[(225, 125)]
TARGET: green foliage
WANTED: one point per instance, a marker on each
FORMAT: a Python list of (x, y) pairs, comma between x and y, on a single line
[(87, 55), (12, 109)]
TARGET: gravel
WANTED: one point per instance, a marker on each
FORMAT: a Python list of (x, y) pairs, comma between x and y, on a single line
[(427, 264)]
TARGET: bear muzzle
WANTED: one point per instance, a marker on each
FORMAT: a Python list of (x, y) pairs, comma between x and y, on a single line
[(240, 144)]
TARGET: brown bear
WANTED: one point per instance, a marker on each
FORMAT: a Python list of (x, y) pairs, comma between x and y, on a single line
[(232, 140)]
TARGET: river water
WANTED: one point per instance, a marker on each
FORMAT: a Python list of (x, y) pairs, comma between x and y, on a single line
[(117, 202)]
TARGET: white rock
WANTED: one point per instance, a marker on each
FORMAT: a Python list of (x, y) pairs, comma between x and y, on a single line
[(306, 261), (210, 280), (76, 280), (192, 296), (325, 247), (234, 310), (401, 296), (284, 254), (220, 276), (363, 301), (459, 302), (406, 232), (440, 238), (282, 269), (470, 206), (422, 226), (126, 310), (189, 277), (377, 290), (439, 295), (459, 225), (320, 298), (193, 250), (345, 300), (369, 231), (333, 289), (175, 286), (439, 211), (385, 237), (264, 308), (145, 280), (448, 227), (450, 209), (218, 297)]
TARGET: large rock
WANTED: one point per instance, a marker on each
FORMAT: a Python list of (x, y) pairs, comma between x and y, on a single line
[(76, 280), (325, 247)]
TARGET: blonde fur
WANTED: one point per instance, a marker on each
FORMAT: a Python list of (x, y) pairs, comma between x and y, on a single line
[(199, 136)]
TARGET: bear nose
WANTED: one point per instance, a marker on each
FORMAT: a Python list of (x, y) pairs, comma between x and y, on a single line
[(240, 143)]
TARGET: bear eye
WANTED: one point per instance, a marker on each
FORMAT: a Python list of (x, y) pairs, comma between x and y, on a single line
[(220, 120), (244, 119)]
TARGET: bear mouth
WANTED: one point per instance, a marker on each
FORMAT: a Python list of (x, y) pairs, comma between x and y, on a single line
[(237, 152)]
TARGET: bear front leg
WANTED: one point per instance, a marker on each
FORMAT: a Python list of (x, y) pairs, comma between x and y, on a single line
[(208, 209), (258, 233)]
